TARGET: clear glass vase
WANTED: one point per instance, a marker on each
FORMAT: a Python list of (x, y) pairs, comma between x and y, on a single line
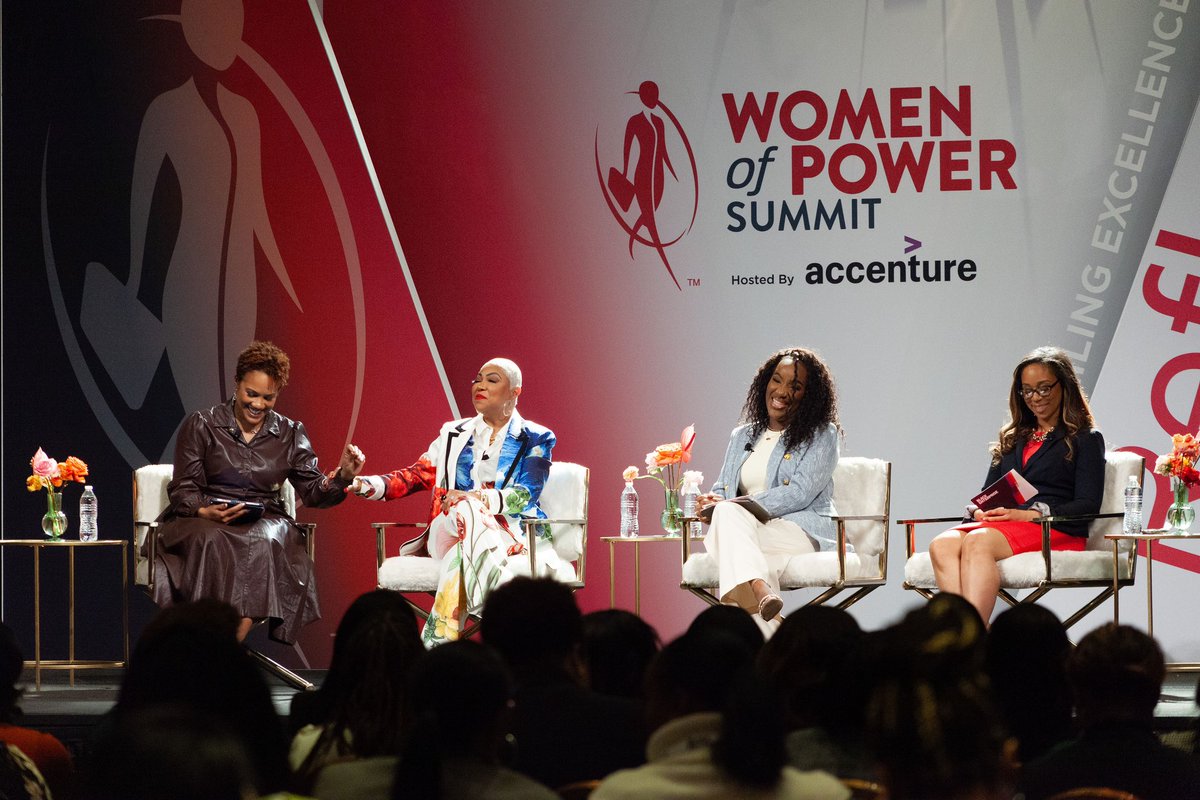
[(672, 516), (1181, 514), (54, 523)]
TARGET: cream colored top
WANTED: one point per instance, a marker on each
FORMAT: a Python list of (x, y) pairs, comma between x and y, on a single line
[(753, 477)]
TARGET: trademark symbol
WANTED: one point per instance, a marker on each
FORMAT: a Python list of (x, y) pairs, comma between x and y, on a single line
[(693, 281)]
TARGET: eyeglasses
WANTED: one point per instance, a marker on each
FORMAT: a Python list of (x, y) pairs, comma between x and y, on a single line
[(1041, 391)]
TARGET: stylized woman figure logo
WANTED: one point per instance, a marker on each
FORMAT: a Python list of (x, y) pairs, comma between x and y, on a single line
[(210, 138), (647, 131)]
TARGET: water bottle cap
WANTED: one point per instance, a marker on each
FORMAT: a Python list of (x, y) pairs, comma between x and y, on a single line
[(1133, 481), (87, 487)]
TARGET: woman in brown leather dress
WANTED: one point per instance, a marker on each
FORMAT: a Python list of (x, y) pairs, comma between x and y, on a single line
[(242, 450)]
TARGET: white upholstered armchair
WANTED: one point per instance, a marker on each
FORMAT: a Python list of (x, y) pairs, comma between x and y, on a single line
[(1044, 570), (862, 496), (564, 499)]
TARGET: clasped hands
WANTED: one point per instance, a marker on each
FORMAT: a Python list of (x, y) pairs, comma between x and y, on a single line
[(1006, 515)]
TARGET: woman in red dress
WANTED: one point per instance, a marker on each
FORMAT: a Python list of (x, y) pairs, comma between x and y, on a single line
[(1051, 440)]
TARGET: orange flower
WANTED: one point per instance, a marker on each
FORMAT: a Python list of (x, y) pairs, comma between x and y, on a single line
[(33, 483), (73, 469), (675, 452)]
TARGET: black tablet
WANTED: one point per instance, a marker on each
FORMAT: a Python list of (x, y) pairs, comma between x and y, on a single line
[(252, 513)]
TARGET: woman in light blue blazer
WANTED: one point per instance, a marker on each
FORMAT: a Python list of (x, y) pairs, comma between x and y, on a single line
[(779, 467)]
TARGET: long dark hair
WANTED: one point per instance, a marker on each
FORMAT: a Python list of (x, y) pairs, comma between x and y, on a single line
[(458, 693), (817, 408), (1074, 414), (366, 682)]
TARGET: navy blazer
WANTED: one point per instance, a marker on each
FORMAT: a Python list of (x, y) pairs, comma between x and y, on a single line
[(1067, 487), (799, 480)]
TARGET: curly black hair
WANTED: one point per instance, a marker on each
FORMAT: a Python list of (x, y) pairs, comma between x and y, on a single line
[(817, 408)]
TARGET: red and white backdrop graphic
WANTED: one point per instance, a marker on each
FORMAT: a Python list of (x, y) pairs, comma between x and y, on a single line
[(637, 202)]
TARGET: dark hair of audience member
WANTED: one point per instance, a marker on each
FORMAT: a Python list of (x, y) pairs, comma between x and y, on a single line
[(939, 741), (618, 646), (1026, 663), (942, 641), (369, 670), (12, 661), (802, 657), (169, 752), (457, 703), (710, 670), (189, 655), (1116, 674), (731, 620), (535, 625)]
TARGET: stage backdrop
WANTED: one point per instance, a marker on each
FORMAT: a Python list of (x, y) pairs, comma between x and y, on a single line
[(636, 201)]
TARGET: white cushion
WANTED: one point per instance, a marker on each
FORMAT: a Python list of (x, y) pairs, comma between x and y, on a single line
[(565, 496), (420, 573), (860, 488), (802, 571), (1093, 563)]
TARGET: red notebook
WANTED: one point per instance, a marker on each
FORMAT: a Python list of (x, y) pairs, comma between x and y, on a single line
[(1011, 491)]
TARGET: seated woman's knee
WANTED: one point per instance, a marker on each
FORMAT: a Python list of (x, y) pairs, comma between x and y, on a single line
[(945, 548)]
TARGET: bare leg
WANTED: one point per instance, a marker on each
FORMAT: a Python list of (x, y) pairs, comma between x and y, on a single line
[(945, 551), (982, 551), (244, 628)]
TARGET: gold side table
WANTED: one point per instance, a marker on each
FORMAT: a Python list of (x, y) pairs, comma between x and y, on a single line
[(1149, 536), (70, 662), (637, 542)]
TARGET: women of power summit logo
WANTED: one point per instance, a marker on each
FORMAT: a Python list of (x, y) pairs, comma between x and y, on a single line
[(647, 184)]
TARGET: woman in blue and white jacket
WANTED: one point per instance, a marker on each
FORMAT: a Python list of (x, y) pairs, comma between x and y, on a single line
[(782, 457)]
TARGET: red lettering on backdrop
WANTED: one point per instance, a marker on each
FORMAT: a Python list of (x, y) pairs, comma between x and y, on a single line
[(894, 166), (750, 112), (1182, 312)]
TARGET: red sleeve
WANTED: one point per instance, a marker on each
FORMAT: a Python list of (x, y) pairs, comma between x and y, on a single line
[(403, 482)]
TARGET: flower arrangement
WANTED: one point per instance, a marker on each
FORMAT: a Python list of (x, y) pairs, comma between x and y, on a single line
[(50, 475), (1181, 461), (1180, 466), (662, 464)]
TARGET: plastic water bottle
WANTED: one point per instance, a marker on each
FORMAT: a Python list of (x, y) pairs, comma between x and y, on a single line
[(1133, 506), (690, 492), (88, 532), (629, 511)]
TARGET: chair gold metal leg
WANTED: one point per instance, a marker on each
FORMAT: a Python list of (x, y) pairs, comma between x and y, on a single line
[(280, 671)]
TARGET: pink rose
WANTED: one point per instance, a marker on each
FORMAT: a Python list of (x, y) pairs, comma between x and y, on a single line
[(43, 465)]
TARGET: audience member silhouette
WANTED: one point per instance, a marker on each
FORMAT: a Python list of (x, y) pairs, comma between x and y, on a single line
[(717, 729), (189, 655), (1116, 673), (823, 716), (376, 646), (47, 753), (456, 713), (172, 751), (564, 731), (617, 648), (733, 620), (1026, 663), (939, 741), (312, 708)]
